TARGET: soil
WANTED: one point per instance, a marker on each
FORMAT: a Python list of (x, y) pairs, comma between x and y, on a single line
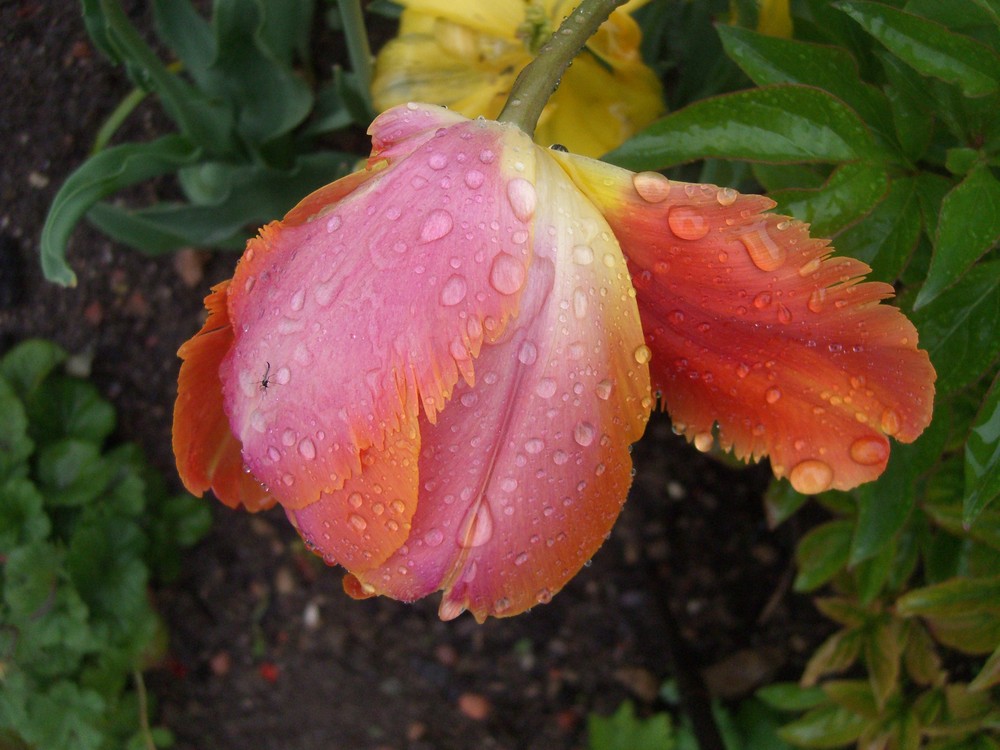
[(266, 651)]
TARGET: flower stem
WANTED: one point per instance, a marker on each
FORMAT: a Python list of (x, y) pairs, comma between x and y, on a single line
[(535, 84)]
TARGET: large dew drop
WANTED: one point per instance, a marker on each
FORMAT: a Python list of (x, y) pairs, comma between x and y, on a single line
[(687, 223), (765, 253), (522, 197), (811, 476), (652, 187), (506, 274), (477, 528), (437, 224), (453, 291), (869, 451)]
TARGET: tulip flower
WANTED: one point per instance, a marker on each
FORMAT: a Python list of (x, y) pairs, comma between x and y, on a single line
[(437, 364), (467, 55)]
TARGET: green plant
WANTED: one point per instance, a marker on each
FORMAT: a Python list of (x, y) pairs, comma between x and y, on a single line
[(880, 124), (249, 112), (84, 531)]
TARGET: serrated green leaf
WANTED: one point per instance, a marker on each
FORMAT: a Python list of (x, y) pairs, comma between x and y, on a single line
[(783, 123), (624, 731), (930, 48), (98, 177), (969, 226), (29, 363), (912, 116), (15, 445), (770, 60), (982, 457), (960, 329), (985, 528), (883, 649), (821, 554), (790, 696), (71, 472), (887, 236), (824, 727), (784, 176), (22, 517), (65, 407), (850, 193)]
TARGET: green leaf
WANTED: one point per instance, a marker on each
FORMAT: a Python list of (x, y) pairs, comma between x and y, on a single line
[(930, 48), (824, 727), (98, 177), (790, 696), (781, 501), (886, 238), (883, 649), (957, 596), (960, 329), (969, 226), (783, 123), (71, 472), (22, 517), (850, 193), (770, 60), (229, 202), (982, 457), (624, 731), (15, 445), (989, 675), (821, 554), (65, 407), (835, 654), (29, 363), (912, 115), (64, 717), (872, 574), (188, 35)]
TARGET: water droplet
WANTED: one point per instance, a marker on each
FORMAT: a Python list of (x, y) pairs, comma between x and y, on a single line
[(703, 441), (742, 371), (810, 267), (333, 224), (584, 434), (398, 506), (546, 388), (522, 197), (437, 161), (534, 446), (477, 528), (726, 196), (603, 389), (579, 303), (506, 274), (762, 300), (772, 395), (544, 596), (307, 448), (687, 223), (474, 178), (453, 291), (486, 156), (355, 500), (784, 314), (652, 187), (765, 253), (298, 300), (357, 522), (521, 559), (433, 538), (437, 224), (869, 451), (583, 255), (258, 422), (528, 353), (560, 457), (817, 300), (642, 354), (811, 476), (890, 422)]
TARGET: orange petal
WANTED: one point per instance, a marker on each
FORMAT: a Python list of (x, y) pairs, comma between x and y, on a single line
[(524, 473), (755, 328), (368, 519), (361, 314), (208, 456)]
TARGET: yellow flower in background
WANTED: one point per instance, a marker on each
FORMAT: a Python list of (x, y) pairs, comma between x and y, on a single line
[(774, 17), (466, 56)]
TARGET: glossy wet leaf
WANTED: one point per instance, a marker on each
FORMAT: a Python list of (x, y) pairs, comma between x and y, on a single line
[(822, 553), (957, 596), (26, 365), (782, 123), (969, 227), (912, 116), (851, 192), (65, 407), (99, 177), (929, 47), (71, 472), (961, 328), (790, 696), (982, 457), (824, 727), (883, 649)]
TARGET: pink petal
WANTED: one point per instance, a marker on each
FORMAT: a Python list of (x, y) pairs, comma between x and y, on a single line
[(361, 311), (524, 473), (755, 328)]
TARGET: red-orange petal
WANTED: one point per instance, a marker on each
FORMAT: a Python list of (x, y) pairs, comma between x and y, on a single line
[(207, 454), (524, 473), (755, 328)]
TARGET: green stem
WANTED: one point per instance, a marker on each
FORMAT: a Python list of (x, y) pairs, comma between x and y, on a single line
[(358, 50), (535, 84)]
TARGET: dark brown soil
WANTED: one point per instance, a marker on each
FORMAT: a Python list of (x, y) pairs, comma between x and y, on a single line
[(266, 651)]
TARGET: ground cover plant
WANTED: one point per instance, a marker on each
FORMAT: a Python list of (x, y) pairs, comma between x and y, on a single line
[(876, 123)]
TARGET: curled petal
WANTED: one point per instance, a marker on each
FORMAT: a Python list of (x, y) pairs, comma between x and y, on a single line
[(208, 456), (372, 307), (756, 328), (524, 474)]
